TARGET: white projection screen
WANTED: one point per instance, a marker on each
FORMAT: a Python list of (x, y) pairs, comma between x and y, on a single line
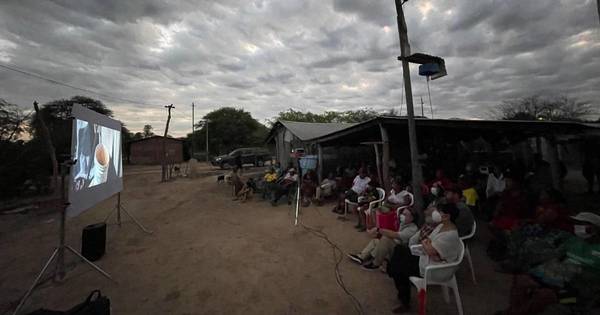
[(98, 171)]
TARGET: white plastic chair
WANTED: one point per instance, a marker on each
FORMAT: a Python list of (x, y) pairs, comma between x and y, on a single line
[(468, 252), (427, 280), (376, 203), (372, 205), (401, 209)]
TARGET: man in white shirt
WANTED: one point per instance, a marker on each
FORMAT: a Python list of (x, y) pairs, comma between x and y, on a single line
[(326, 188), (359, 186), (495, 183)]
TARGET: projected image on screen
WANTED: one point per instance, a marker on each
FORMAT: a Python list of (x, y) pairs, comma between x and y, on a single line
[(97, 173), (97, 150)]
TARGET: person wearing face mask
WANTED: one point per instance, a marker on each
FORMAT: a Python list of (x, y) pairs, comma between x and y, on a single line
[(382, 245), (441, 245)]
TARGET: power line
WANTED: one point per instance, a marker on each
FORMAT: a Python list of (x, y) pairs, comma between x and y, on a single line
[(57, 82)]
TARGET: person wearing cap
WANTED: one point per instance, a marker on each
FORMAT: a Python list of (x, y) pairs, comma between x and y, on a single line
[(465, 219), (284, 186), (442, 245)]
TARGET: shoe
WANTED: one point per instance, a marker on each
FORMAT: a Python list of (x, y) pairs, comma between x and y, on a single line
[(370, 267), (355, 258), (358, 226), (273, 203), (362, 229)]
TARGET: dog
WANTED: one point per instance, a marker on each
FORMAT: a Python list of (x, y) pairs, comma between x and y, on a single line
[(220, 179)]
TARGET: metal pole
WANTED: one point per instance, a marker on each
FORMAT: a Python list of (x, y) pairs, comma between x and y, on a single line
[(422, 110), (60, 263), (417, 176), (35, 282), (192, 130), (429, 92)]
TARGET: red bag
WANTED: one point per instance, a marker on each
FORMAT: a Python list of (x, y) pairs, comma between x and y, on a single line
[(388, 221)]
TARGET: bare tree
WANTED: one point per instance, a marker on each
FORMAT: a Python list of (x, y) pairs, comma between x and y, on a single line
[(560, 108)]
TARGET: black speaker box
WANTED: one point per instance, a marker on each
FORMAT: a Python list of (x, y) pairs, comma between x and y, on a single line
[(93, 241)]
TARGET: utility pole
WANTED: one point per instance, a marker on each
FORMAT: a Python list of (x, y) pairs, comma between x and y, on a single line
[(164, 145), (417, 176), (422, 111), (192, 140), (207, 159)]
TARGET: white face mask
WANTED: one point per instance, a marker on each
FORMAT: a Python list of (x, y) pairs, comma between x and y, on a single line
[(436, 216), (435, 191), (581, 231), (402, 219)]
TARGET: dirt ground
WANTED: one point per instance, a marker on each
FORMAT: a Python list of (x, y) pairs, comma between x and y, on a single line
[(212, 255)]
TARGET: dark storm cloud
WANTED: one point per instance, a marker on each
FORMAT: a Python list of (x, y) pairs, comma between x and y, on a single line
[(270, 55)]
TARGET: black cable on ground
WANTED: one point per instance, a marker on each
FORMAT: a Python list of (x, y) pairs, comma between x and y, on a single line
[(338, 276)]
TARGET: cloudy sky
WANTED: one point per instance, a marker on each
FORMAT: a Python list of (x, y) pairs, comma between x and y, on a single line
[(268, 56)]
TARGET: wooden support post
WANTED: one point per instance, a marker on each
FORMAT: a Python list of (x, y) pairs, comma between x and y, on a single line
[(320, 162), (164, 145), (385, 167), (378, 163), (552, 154), (417, 173)]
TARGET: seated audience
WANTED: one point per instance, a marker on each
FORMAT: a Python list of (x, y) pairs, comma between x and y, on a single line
[(441, 245), (381, 247), (326, 189), (270, 181), (364, 200), (440, 181), (399, 196), (283, 188), (512, 206), (469, 193), (539, 239), (308, 187), (359, 186), (464, 221)]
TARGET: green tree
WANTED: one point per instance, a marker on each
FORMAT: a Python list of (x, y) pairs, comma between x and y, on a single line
[(57, 115), (148, 131), (228, 128), (349, 116), (20, 161)]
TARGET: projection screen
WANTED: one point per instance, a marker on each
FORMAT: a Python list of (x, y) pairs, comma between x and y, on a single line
[(98, 171)]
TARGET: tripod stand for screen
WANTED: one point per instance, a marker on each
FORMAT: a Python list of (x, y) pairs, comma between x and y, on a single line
[(118, 208), (59, 252)]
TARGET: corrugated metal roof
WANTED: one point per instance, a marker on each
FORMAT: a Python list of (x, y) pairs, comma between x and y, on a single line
[(308, 130)]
